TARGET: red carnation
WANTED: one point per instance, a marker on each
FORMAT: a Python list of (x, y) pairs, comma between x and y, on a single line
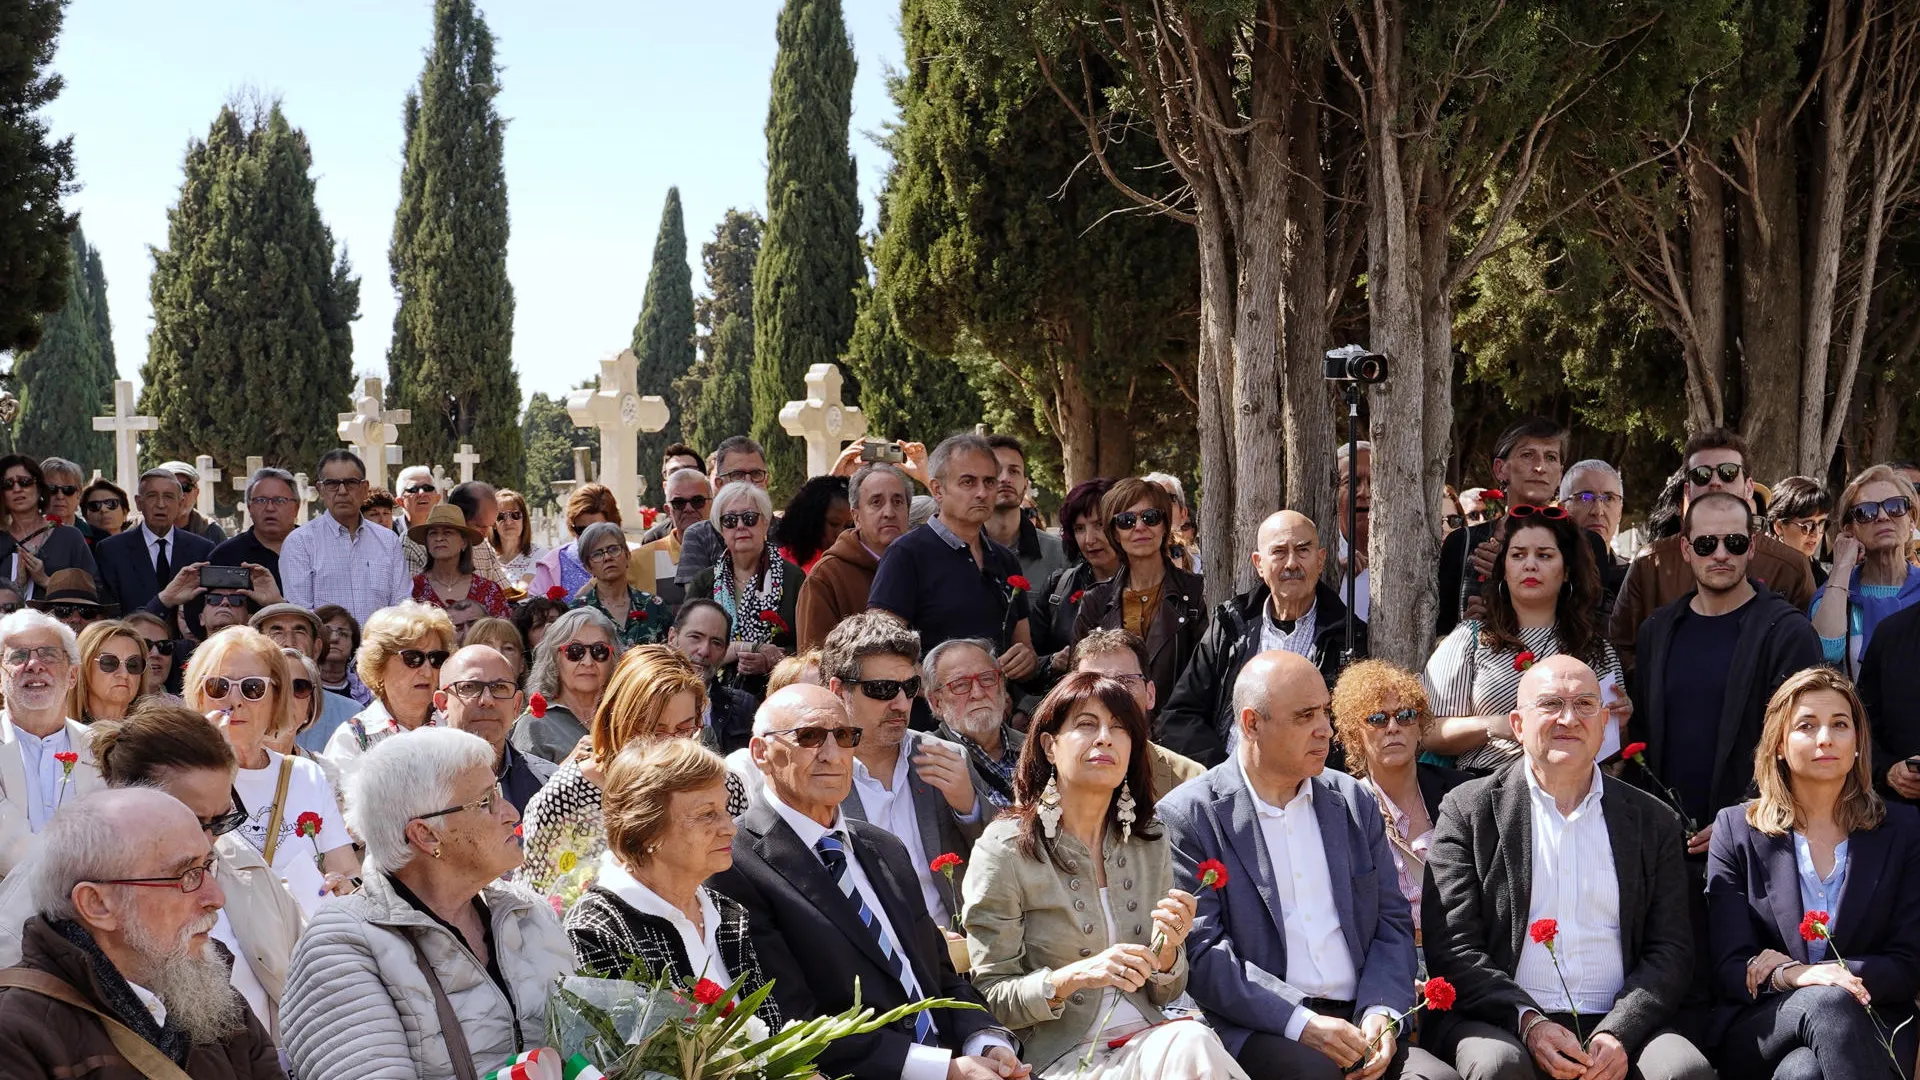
[(1543, 931), (1440, 994), (772, 618), (1524, 661), (307, 824), (1494, 493), (557, 593), (1212, 873), (637, 615), (945, 863), (537, 705), (706, 991), (1076, 595), (1813, 925), (1633, 750), (66, 758), (647, 514), (1019, 583)]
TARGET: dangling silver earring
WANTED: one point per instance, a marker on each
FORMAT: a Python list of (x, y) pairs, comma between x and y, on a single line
[(1124, 811), (1049, 811)]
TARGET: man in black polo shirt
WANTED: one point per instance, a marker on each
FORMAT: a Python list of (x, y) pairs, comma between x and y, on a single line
[(272, 504), (948, 579)]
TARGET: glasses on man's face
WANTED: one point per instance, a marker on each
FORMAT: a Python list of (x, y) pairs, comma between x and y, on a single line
[(607, 552), (690, 502), (814, 737), (1482, 516), (1586, 706), (1126, 520), (1736, 543), (110, 664), (47, 655), (217, 599), (334, 485), (1606, 499), (1401, 717), (223, 824), (1862, 513), (413, 658), (187, 881), (1727, 471), (749, 518), (251, 688), (756, 477), (65, 491), (275, 502), (962, 685), (71, 612), (484, 804), (469, 690), (419, 489), (888, 689), (576, 651), (103, 506)]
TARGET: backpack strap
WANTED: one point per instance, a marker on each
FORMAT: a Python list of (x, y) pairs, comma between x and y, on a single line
[(140, 1053)]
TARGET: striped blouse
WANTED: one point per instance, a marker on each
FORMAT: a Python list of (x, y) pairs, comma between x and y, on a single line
[(1469, 676)]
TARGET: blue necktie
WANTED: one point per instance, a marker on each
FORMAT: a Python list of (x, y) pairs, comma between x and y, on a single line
[(833, 852)]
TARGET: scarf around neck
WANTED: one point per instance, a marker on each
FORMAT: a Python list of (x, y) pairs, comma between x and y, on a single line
[(762, 594)]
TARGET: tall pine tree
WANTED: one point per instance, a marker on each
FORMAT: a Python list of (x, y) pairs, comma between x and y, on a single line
[(810, 264), (451, 359), (252, 348), (67, 379), (34, 173), (713, 399), (663, 338)]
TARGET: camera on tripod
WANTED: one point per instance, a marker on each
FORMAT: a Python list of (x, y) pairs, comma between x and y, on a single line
[(1353, 363)]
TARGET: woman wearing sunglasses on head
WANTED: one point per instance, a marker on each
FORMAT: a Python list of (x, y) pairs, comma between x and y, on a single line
[(759, 589), (113, 668), (570, 669), (641, 616), (1545, 600), (1872, 577), (44, 545), (1148, 595), (401, 650), (238, 680), (655, 693), (174, 749)]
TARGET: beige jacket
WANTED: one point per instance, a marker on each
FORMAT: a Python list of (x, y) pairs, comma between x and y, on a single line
[(265, 918), (15, 838), (1026, 917)]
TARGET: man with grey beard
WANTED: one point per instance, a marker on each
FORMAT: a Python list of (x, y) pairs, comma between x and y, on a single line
[(968, 695), (118, 976)]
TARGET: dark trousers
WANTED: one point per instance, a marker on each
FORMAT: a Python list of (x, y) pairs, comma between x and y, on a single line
[(1484, 1052), (1266, 1056), (1811, 1033)]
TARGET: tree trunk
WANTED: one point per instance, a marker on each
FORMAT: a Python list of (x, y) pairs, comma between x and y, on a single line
[(1771, 299), (1078, 419), (1116, 456), (1306, 409), (1707, 273), (1215, 377)]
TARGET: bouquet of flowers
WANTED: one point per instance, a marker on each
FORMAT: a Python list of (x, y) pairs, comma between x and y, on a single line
[(575, 869), (642, 1028)]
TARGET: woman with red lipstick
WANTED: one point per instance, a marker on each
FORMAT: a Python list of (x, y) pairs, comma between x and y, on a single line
[(1793, 999), (1872, 577), (1546, 601)]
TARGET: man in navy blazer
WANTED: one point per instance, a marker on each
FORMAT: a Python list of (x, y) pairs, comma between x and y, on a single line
[(131, 562), (1306, 954)]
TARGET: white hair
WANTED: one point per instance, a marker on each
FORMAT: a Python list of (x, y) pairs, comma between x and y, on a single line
[(1169, 482), (1340, 457), (1589, 465), (402, 778), (930, 664), (772, 710), (27, 619), (921, 510), (87, 840), (736, 491), (689, 474), (400, 481)]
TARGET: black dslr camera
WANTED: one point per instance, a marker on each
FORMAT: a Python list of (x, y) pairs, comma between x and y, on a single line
[(1353, 363)]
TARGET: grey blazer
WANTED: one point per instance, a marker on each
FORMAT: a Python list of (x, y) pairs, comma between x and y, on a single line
[(941, 830), (1479, 891)]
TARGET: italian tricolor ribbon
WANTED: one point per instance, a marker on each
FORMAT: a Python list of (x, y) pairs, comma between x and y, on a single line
[(544, 1063)]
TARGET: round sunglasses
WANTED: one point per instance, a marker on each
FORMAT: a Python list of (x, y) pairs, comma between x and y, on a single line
[(251, 688), (749, 518), (413, 658), (1702, 475), (111, 664), (1705, 546), (1126, 520), (577, 651)]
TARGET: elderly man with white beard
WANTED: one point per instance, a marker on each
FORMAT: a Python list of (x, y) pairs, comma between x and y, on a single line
[(968, 695), (119, 977)]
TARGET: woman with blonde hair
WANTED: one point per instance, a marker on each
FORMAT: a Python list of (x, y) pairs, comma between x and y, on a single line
[(112, 673), (238, 680), (401, 650), (1872, 577), (505, 638), (1810, 918), (654, 693)]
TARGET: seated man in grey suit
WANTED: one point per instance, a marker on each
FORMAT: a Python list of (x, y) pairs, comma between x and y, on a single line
[(1551, 837), (1306, 954), (912, 785)]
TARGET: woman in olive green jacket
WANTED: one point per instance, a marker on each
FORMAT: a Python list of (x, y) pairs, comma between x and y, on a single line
[(1062, 943)]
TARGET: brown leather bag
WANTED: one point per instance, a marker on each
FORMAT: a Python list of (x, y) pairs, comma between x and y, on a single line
[(139, 1053)]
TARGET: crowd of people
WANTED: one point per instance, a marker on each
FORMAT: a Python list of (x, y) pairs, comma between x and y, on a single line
[(345, 798)]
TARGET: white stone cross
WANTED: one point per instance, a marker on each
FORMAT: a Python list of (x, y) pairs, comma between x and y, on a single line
[(304, 492), (821, 419), (466, 459), (254, 464), (372, 430), (203, 491), (126, 428), (621, 414), (441, 481)]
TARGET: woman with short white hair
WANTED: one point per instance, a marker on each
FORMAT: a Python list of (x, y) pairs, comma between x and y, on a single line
[(435, 968), (759, 589)]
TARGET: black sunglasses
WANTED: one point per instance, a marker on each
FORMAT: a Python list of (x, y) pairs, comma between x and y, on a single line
[(813, 738), (253, 687), (888, 689), (63, 612), (691, 502), (15, 483), (1702, 475), (225, 823), (303, 688), (101, 506), (1455, 521), (64, 490), (1152, 519), (513, 515), (749, 518), (1737, 544), (576, 651), (419, 489), (1895, 507), (238, 600), (164, 648), (413, 658), (1402, 717)]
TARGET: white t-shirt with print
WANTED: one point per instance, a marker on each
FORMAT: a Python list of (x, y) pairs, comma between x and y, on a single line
[(293, 859)]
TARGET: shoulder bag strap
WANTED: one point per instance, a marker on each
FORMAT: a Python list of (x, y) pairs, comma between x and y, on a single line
[(279, 810), (450, 1029), (140, 1053)]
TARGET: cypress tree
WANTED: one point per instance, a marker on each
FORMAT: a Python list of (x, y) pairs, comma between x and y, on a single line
[(803, 298), (251, 350), (663, 338), (451, 359), (34, 173), (67, 380), (714, 398)]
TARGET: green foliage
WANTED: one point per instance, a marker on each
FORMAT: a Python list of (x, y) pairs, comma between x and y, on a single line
[(451, 357), (250, 304), (34, 173), (663, 338), (67, 379), (715, 397), (550, 438), (810, 263), (906, 392)]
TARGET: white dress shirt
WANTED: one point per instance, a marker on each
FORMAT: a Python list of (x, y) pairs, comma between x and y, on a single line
[(923, 1062), (44, 781), (1574, 883), (701, 942), (362, 570), (891, 807), (152, 540)]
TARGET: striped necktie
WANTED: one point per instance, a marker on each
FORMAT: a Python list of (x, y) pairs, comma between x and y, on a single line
[(833, 852)]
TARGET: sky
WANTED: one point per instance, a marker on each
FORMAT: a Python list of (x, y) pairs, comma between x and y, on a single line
[(608, 104)]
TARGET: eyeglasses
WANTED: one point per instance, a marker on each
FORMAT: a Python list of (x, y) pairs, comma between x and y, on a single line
[(1586, 706), (1152, 519), (987, 681), (1807, 526), (333, 485), (512, 515), (110, 664), (163, 648), (9, 607), (1604, 498), (577, 651), (225, 823), (273, 501), (66, 491), (1455, 521), (1481, 517), (190, 881), (413, 658), (217, 599), (63, 612), (419, 489), (1895, 507), (1737, 544), (48, 655), (749, 518), (690, 502), (813, 738), (252, 688), (1401, 717), (17, 483), (102, 506), (303, 688), (469, 690), (757, 477), (185, 484), (1549, 513), (1702, 475), (484, 804), (888, 689), (606, 552)]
